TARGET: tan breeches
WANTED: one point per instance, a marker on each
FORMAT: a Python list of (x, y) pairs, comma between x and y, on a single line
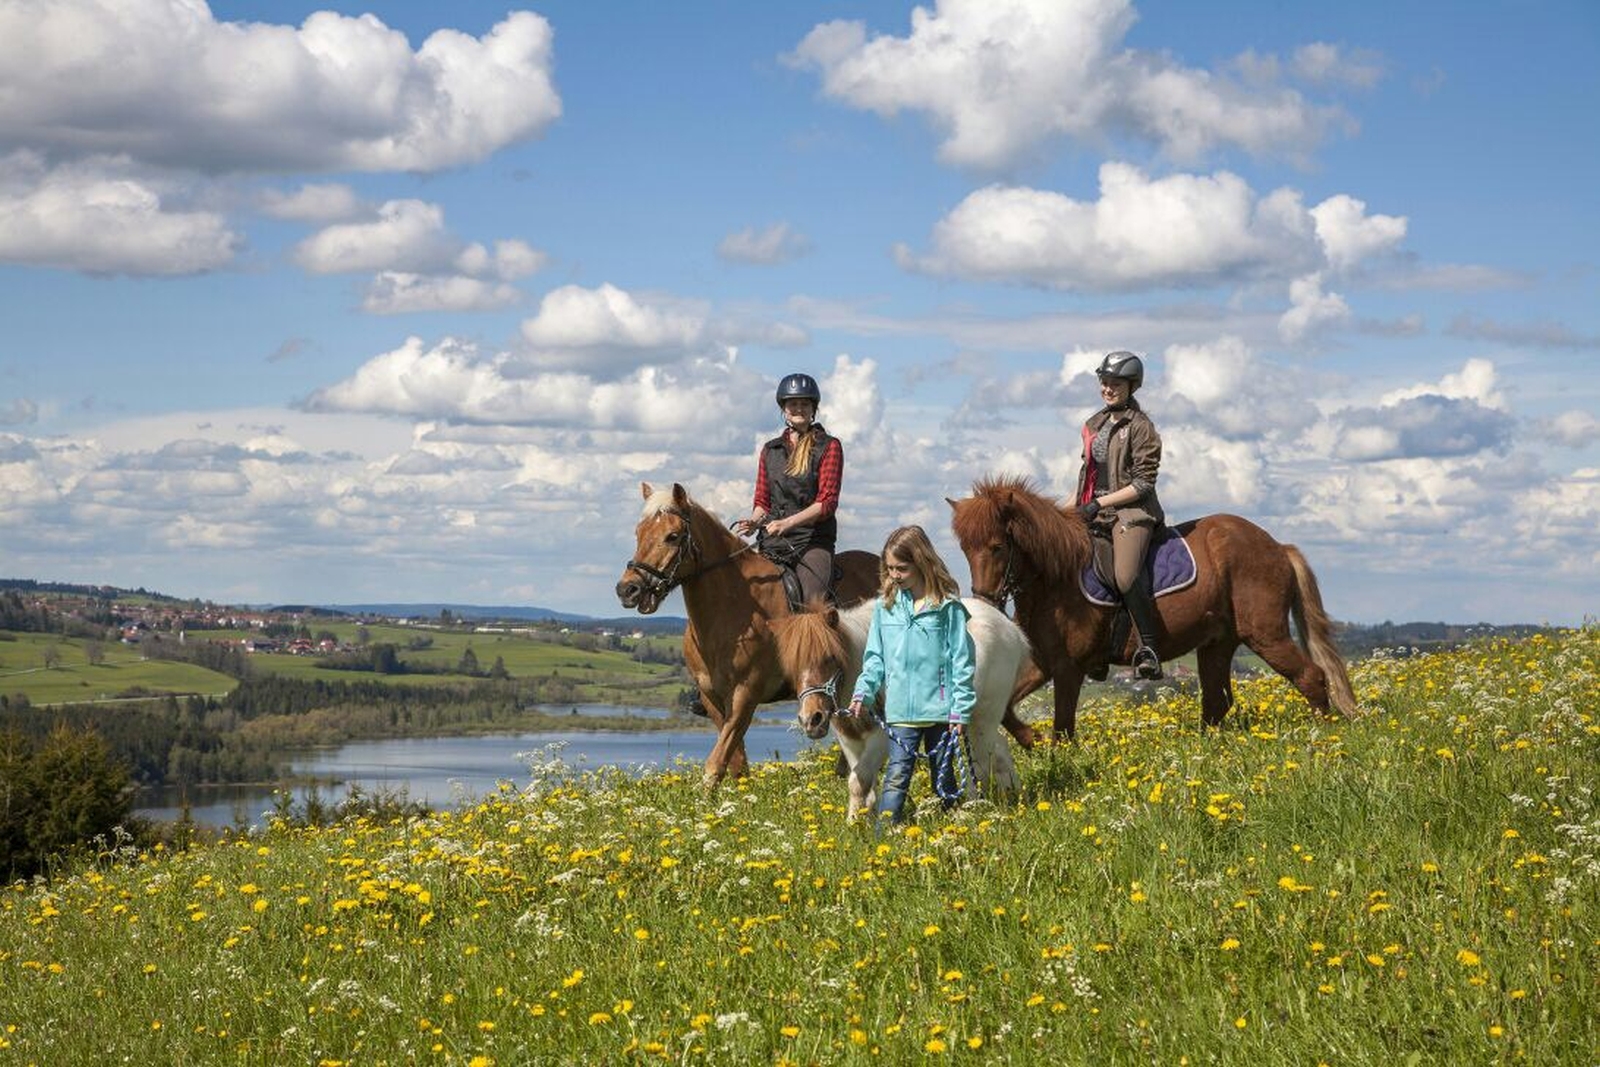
[(1127, 550)]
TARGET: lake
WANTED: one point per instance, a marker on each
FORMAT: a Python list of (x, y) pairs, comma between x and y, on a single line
[(446, 772)]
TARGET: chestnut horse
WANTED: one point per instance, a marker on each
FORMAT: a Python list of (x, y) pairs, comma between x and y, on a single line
[(821, 650), (732, 595), (1022, 546)]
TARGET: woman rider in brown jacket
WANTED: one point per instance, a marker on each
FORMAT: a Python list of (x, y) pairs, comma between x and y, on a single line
[(1117, 492)]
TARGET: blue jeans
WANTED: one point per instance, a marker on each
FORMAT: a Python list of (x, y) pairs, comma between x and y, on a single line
[(907, 744)]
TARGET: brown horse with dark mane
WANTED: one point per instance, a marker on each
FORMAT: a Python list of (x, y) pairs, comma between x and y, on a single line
[(1021, 545), (732, 595)]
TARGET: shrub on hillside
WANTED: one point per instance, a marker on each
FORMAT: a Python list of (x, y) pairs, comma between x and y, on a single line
[(56, 794)]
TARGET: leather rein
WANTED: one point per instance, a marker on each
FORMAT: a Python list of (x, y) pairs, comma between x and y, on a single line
[(658, 583)]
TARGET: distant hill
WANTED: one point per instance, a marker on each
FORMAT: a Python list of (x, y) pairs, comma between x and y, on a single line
[(511, 613)]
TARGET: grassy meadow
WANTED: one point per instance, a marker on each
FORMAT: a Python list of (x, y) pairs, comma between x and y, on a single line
[(1420, 886), (601, 675), (75, 680)]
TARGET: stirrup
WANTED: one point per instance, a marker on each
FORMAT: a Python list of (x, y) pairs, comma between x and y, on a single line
[(1146, 664)]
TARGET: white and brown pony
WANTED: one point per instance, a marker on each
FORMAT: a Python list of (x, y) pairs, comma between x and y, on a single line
[(733, 596), (820, 650)]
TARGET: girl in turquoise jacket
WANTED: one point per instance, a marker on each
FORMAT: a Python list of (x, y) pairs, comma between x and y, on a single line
[(920, 655)]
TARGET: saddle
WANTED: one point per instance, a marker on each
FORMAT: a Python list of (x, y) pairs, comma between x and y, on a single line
[(792, 590), (786, 554), (1169, 565)]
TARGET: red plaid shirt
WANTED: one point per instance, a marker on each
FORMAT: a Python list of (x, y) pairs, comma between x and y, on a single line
[(830, 474)]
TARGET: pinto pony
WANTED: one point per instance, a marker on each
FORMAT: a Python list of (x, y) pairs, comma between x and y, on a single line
[(1022, 546), (732, 595), (820, 650)]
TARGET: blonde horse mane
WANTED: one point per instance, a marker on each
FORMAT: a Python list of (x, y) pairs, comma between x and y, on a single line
[(807, 637)]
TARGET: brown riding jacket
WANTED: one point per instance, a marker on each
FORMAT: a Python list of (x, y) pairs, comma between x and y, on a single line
[(1133, 454)]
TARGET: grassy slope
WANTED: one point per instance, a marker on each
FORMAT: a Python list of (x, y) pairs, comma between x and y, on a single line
[(75, 680), (1421, 885), (602, 675)]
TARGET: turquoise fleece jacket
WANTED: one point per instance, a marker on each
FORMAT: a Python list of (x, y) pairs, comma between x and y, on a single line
[(922, 660)]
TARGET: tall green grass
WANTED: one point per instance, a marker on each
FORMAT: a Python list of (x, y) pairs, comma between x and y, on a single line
[(1417, 886)]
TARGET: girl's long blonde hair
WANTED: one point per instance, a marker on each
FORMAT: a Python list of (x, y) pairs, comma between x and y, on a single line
[(800, 458), (910, 545)]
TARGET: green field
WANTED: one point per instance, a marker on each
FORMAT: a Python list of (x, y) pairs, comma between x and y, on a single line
[(605, 676), (75, 680), (1420, 885), (602, 676)]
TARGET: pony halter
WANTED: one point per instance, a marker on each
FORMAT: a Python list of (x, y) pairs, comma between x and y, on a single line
[(828, 689)]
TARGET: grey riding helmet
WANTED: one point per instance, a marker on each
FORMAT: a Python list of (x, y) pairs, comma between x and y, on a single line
[(799, 387), (1123, 365)]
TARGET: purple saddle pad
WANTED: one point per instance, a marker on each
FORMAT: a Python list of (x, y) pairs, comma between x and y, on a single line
[(1168, 561)]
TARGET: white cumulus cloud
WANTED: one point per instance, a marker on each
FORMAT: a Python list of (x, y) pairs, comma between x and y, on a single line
[(164, 82), (1182, 230), (999, 78), (105, 217)]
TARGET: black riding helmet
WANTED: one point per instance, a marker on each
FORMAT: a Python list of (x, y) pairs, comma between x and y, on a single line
[(1123, 365), (799, 387)]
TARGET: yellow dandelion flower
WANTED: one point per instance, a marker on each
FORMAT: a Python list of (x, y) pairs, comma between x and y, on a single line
[(600, 1017), (1467, 958), (931, 930), (1230, 944), (259, 906), (1375, 959), (1043, 805), (935, 1045), (1510, 834), (572, 979), (974, 1042), (479, 1061), (641, 934), (485, 1026), (1035, 1000), (858, 1037), (1497, 1031), (1241, 1022), (790, 1031)]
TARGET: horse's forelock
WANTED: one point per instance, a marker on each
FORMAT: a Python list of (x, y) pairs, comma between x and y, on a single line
[(805, 639), (658, 501), (981, 517)]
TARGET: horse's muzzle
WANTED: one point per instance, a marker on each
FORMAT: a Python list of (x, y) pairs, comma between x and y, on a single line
[(814, 723)]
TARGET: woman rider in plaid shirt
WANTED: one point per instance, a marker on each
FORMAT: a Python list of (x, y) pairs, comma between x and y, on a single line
[(798, 474)]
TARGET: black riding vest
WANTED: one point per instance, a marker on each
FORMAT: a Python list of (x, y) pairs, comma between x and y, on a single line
[(789, 493)]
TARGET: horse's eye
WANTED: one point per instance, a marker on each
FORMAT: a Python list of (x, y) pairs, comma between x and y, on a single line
[(672, 538)]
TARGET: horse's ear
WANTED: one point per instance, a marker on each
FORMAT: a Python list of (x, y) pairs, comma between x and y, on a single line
[(680, 496), (645, 489), (953, 505), (832, 618)]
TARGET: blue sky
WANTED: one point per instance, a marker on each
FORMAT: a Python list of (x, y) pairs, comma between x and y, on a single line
[(307, 303)]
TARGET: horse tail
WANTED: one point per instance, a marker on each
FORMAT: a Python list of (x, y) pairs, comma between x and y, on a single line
[(1316, 634)]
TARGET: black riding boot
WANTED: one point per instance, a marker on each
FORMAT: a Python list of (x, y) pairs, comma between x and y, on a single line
[(1141, 607)]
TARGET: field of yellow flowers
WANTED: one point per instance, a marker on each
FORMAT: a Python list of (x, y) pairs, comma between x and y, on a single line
[(1417, 886)]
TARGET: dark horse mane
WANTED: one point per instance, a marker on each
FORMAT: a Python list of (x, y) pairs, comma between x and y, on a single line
[(806, 637), (1052, 538)]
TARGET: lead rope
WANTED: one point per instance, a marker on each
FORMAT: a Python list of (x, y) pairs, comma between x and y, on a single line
[(952, 751)]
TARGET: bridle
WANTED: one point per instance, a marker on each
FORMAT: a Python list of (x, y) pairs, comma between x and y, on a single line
[(828, 689), (1008, 580), (657, 582)]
